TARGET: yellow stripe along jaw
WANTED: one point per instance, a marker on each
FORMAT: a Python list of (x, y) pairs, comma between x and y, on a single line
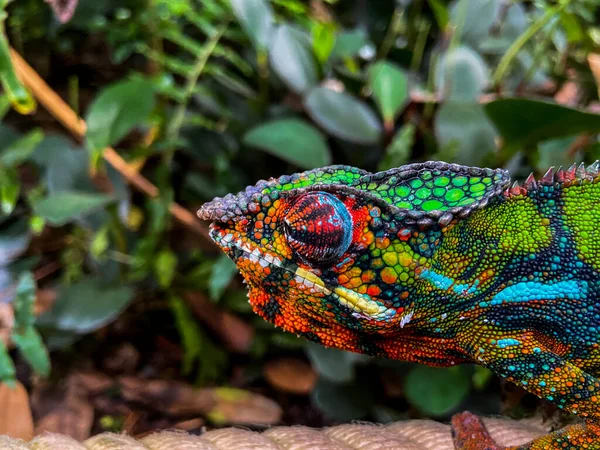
[(361, 304)]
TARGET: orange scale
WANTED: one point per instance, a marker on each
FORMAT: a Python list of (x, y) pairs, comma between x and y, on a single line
[(374, 290), (258, 236)]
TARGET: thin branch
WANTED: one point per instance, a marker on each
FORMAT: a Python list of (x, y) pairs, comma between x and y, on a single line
[(77, 126)]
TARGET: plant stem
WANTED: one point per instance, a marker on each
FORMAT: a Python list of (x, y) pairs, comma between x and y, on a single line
[(391, 33), (518, 44), (178, 117)]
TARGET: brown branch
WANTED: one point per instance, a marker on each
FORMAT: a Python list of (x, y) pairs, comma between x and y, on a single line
[(77, 126)]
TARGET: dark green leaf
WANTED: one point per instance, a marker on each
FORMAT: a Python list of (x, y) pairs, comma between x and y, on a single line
[(67, 167), (389, 85), (17, 152), (165, 265), (223, 270), (398, 152), (466, 126), (256, 17), (323, 40), (436, 391), (10, 187), (87, 306), (292, 140), (14, 240), (30, 343), (342, 402), (349, 43), (473, 19), (333, 364), (63, 207), (440, 11), (462, 75), (523, 122), (191, 336), (555, 153), (24, 301), (343, 115), (292, 59), (116, 110), (7, 368)]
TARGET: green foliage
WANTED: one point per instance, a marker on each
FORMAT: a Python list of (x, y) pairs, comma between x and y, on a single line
[(116, 110), (436, 391), (292, 140), (202, 98)]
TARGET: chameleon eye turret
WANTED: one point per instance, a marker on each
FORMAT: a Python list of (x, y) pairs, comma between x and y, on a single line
[(318, 227)]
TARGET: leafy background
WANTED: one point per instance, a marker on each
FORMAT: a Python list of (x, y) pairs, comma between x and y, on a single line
[(113, 294)]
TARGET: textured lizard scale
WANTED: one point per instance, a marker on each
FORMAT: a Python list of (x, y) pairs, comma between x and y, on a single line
[(439, 264)]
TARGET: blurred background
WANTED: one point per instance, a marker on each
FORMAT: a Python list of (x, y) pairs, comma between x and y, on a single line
[(116, 311)]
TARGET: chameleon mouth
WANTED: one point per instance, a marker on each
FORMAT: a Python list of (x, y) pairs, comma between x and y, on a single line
[(245, 255)]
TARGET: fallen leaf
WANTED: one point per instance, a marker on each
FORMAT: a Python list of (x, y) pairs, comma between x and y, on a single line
[(594, 62), (236, 406), (7, 321), (236, 334), (220, 405), (290, 375), (63, 409), (63, 9), (189, 425), (15, 414)]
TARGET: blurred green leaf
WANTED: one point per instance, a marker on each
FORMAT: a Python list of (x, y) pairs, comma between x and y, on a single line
[(223, 271), (292, 59), (481, 377), (523, 122), (14, 240), (116, 111), (30, 343), (10, 186), (66, 166), (86, 306), (7, 368), (349, 43), (390, 89), (24, 301), (440, 11), (20, 98), (466, 126), (335, 365), (555, 153), (63, 207), (436, 391), (343, 115), (17, 152), (100, 242), (399, 150), (165, 266), (191, 336), (293, 140), (572, 27), (461, 75), (342, 402), (473, 19), (256, 17), (323, 40)]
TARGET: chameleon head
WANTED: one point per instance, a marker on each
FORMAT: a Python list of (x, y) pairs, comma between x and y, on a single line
[(334, 254)]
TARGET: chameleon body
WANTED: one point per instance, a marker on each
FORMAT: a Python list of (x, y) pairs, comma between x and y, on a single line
[(439, 264)]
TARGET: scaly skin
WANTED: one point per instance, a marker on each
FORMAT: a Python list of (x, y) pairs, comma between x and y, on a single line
[(439, 264)]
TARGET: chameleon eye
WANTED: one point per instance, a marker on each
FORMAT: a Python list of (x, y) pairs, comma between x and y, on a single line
[(318, 227)]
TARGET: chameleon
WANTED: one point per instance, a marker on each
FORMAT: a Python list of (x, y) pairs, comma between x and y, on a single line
[(439, 264)]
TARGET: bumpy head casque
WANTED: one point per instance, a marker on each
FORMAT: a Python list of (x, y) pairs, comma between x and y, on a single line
[(335, 254)]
